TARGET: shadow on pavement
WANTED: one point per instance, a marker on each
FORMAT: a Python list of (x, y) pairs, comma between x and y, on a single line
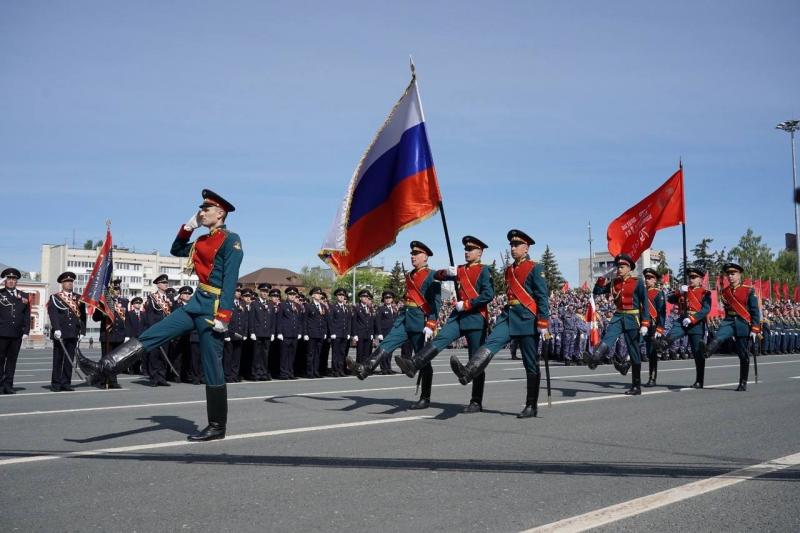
[(160, 423)]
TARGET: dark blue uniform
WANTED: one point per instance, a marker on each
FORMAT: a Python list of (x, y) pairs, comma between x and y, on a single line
[(68, 315), (156, 308), (264, 326), (15, 321), (290, 327), (365, 328), (316, 328), (340, 331), (238, 329)]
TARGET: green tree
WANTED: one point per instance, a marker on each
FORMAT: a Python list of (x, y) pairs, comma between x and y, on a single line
[(88, 245), (663, 267), (752, 254), (315, 277), (499, 272), (785, 266), (551, 272), (703, 256), (366, 278), (397, 280)]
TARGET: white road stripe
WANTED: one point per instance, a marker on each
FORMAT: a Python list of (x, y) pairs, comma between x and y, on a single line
[(795, 377), (620, 511), (660, 370), (170, 444)]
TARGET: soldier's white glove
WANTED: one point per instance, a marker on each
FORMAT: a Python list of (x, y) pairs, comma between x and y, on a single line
[(543, 332), (192, 224), (657, 335), (684, 288), (272, 337), (80, 337), (643, 331), (686, 322), (428, 333), (355, 338), (753, 336), (299, 336), (333, 336), (280, 336), (305, 337), (220, 326), (451, 271), (126, 339), (371, 337), (325, 336), (252, 336), (558, 337), (24, 336), (459, 306), (227, 339), (380, 337), (57, 334)]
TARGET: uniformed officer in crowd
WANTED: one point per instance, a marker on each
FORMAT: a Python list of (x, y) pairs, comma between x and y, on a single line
[(631, 319), (237, 329), (15, 325), (67, 316), (694, 304), (156, 308), (324, 368), (415, 323), (557, 331), (525, 317), (264, 324), (290, 329), (387, 314), (470, 316), (316, 330), (113, 330), (657, 307), (181, 352), (341, 324), (134, 326), (364, 326), (246, 363), (742, 320)]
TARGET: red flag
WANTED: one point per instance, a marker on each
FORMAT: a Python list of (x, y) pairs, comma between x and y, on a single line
[(585, 286), (797, 294), (591, 319), (776, 290), (768, 292), (665, 279), (705, 281), (634, 230), (748, 281), (785, 291), (96, 290), (565, 287)]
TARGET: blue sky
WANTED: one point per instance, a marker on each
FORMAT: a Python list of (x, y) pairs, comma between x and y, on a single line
[(540, 115)]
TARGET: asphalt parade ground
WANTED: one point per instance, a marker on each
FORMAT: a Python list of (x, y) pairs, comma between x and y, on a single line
[(341, 454)]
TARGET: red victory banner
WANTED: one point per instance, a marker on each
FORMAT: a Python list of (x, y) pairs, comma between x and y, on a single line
[(633, 231)]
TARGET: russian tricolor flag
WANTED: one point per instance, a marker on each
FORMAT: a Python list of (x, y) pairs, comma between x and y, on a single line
[(393, 187)]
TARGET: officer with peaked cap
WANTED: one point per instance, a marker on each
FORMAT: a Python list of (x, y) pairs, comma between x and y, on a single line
[(631, 319), (264, 314), (15, 325), (386, 315), (742, 320), (468, 319), (215, 257), (525, 319), (340, 324), (694, 303), (416, 322), (290, 330), (654, 340), (67, 316)]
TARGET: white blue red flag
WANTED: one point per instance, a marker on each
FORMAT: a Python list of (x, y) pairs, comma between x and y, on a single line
[(96, 292), (393, 187)]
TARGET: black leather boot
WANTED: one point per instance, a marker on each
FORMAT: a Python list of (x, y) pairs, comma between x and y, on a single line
[(711, 348), (744, 373), (700, 370), (636, 382), (119, 360), (531, 396), (600, 352), (477, 364), (652, 371), (217, 409), (363, 371), (420, 359), (622, 367)]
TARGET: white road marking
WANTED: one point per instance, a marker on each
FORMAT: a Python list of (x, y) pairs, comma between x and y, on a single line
[(620, 511), (660, 370), (170, 444)]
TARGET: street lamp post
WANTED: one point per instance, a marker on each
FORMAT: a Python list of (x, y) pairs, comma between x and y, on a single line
[(792, 126)]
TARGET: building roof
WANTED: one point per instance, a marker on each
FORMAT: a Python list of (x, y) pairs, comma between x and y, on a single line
[(273, 276)]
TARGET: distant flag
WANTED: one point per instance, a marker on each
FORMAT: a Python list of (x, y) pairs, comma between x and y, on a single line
[(585, 286), (768, 292), (633, 231), (591, 319), (565, 287), (785, 291), (95, 294), (393, 187), (665, 278), (797, 293), (705, 281), (776, 290)]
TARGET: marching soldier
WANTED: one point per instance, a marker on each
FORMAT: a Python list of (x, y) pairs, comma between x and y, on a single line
[(68, 326), (695, 303), (264, 314), (316, 329), (15, 325), (216, 258), (631, 320), (156, 308), (415, 323), (341, 323), (742, 319), (364, 326), (290, 328), (658, 315), (112, 330), (470, 316), (387, 314), (525, 318)]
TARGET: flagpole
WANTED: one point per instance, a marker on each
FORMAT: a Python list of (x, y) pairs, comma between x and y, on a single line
[(591, 263), (446, 234), (683, 226)]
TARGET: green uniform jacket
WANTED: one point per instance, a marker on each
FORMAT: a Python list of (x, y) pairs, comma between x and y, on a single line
[(520, 320), (629, 322), (698, 327), (741, 327), (412, 318), (471, 319)]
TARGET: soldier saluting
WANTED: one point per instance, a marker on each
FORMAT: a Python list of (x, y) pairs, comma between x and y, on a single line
[(215, 258)]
